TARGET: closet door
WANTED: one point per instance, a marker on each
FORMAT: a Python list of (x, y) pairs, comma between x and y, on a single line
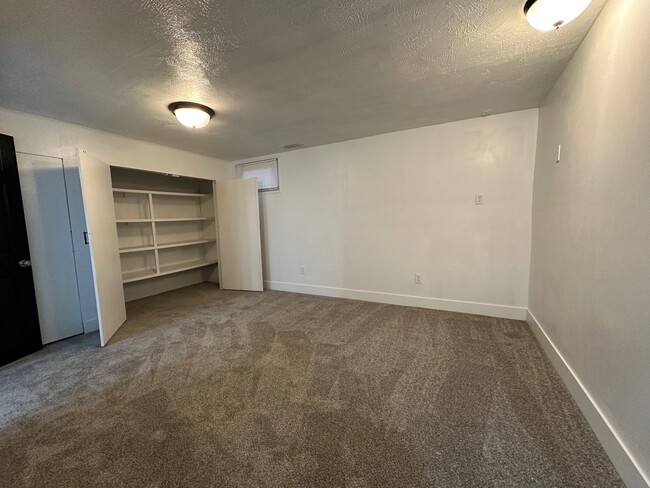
[(240, 249), (97, 194), (50, 246)]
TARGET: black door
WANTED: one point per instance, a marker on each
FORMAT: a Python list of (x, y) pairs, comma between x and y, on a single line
[(19, 330)]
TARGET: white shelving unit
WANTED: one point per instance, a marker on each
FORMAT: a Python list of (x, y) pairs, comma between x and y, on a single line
[(163, 231)]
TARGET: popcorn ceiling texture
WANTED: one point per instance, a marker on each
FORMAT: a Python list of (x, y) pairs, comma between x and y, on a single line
[(276, 71)]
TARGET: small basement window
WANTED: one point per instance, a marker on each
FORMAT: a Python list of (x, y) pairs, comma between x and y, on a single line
[(266, 172)]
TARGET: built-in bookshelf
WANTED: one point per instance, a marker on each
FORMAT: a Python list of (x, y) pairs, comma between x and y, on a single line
[(161, 232)]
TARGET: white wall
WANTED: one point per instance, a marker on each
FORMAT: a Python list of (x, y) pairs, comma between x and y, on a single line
[(364, 216), (47, 137), (590, 274)]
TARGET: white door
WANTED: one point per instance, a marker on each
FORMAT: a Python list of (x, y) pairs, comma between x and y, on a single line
[(97, 192), (240, 249), (50, 246)]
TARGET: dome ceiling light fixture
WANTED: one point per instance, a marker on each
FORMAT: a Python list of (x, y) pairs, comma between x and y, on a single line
[(547, 15), (190, 114)]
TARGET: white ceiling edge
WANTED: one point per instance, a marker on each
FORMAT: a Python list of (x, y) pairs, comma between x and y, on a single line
[(279, 154), (75, 126)]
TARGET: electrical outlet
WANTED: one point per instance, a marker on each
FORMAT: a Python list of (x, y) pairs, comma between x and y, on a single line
[(478, 199), (302, 269), (418, 279)]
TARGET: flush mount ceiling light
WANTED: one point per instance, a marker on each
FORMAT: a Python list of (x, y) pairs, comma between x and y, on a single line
[(191, 114), (546, 15)]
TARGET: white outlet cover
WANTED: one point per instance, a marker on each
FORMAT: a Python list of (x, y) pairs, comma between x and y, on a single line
[(478, 199)]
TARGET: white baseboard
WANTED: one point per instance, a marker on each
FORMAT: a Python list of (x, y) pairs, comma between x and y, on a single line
[(615, 448), (501, 311), (91, 325)]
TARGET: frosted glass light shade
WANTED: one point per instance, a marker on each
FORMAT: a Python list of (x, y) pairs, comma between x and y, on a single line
[(193, 115), (546, 15)]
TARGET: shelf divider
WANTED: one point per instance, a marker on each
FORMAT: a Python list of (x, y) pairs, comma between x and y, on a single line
[(153, 232)]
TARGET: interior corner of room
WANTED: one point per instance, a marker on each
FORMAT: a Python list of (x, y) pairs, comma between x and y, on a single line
[(512, 200)]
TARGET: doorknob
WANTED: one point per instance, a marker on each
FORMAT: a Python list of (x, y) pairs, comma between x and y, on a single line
[(25, 263)]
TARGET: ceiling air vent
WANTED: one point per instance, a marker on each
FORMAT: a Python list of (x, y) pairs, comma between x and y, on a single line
[(288, 147)]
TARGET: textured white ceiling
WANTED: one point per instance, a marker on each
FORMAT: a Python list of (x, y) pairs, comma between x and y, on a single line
[(276, 71)]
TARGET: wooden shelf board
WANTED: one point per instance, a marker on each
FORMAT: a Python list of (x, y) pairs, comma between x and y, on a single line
[(164, 270), (142, 274), (174, 219), (168, 245), (183, 219), (177, 268), (133, 221), (125, 250), (165, 193), (185, 243)]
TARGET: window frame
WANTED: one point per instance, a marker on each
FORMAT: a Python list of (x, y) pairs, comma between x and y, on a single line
[(258, 161)]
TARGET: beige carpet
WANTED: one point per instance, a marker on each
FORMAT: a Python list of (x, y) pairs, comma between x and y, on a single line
[(207, 388)]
